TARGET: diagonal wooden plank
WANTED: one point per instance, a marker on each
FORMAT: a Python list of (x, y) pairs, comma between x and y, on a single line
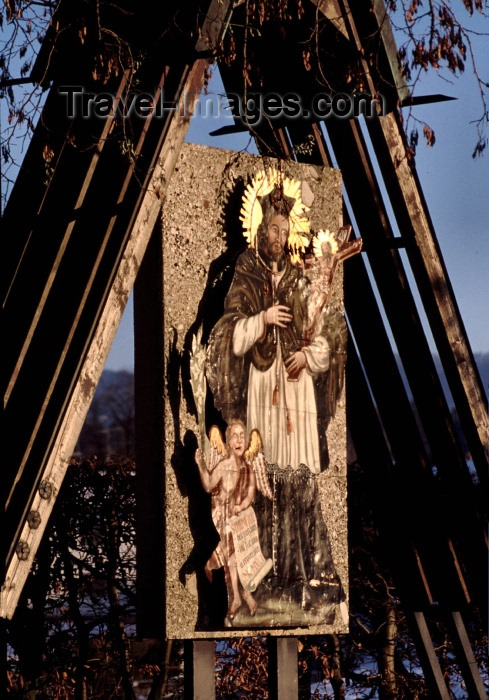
[(449, 332), (98, 347), (433, 673)]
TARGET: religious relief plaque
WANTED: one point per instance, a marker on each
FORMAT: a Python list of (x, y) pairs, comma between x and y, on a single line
[(255, 431)]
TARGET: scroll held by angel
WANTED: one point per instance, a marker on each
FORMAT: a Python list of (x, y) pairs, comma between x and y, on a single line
[(232, 474)]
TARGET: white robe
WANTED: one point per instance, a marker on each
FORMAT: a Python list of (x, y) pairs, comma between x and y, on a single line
[(301, 446)]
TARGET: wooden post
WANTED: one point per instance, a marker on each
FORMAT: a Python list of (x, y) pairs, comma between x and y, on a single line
[(431, 667), (3, 656), (199, 666), (149, 410), (149, 377), (283, 673), (466, 658)]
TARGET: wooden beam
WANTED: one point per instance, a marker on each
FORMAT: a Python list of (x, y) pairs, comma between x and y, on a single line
[(283, 673), (149, 379), (431, 666), (465, 654), (411, 211), (442, 310), (440, 495), (199, 669), (96, 352), (375, 456)]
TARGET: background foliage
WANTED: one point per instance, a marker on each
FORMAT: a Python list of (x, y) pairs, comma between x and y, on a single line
[(73, 635)]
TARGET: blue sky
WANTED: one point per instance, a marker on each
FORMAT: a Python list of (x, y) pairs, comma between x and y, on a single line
[(455, 186)]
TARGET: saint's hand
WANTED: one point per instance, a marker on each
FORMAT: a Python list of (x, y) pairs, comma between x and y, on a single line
[(278, 315), (199, 458), (295, 362)]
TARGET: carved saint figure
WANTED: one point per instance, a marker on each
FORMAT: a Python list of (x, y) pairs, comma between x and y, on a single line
[(262, 367)]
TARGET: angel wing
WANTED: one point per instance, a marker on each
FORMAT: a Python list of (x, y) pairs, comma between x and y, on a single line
[(217, 447), (255, 456)]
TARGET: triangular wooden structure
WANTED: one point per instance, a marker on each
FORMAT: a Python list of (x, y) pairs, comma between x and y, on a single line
[(73, 246)]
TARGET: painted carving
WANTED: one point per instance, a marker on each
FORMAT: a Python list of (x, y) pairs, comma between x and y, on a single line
[(232, 476), (274, 363)]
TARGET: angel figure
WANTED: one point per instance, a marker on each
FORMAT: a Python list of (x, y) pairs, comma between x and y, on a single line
[(232, 476)]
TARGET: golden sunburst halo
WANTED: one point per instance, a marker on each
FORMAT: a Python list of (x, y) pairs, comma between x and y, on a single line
[(251, 213), (322, 237)]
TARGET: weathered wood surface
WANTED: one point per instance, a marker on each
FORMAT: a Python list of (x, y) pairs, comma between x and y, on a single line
[(111, 274)]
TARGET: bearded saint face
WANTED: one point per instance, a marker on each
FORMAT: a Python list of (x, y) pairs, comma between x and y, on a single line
[(277, 235)]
